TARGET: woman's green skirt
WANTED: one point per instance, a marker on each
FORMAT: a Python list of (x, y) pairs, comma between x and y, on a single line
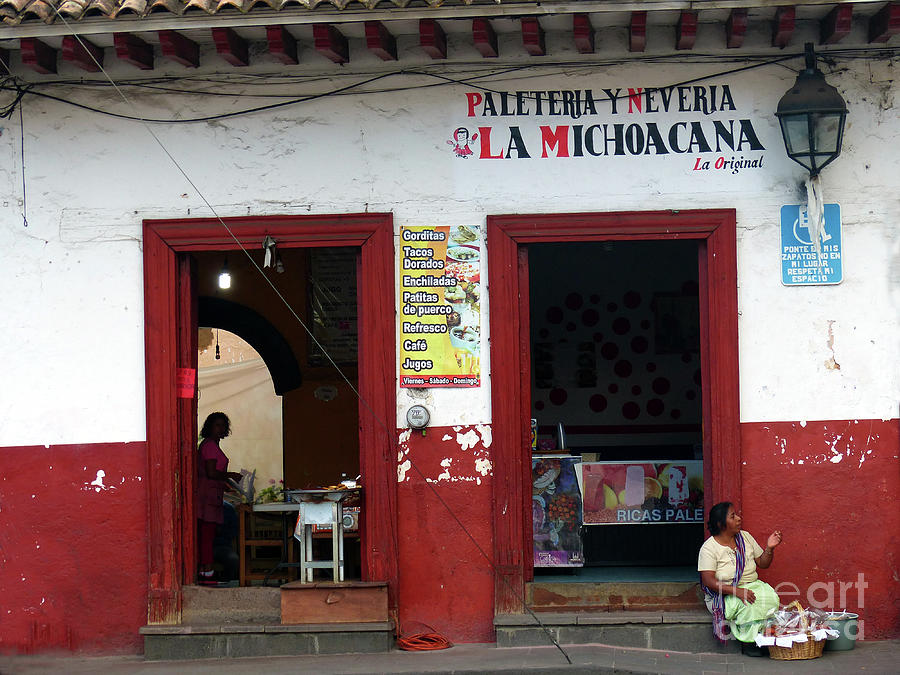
[(746, 620)]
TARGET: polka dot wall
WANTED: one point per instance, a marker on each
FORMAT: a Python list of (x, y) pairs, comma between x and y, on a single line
[(615, 333)]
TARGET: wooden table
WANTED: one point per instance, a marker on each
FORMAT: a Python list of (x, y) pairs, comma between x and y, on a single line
[(305, 535), (317, 500)]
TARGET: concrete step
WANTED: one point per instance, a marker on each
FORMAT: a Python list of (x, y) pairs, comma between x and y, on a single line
[(683, 631), (239, 605), (163, 643), (566, 596)]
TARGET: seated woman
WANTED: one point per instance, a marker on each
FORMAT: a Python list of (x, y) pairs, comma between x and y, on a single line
[(727, 564)]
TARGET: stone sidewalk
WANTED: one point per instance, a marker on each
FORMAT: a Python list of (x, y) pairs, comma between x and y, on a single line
[(870, 657)]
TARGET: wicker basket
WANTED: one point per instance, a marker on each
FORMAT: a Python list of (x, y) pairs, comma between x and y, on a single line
[(811, 649)]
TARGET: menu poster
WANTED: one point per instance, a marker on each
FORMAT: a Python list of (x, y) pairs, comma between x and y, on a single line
[(440, 283), (622, 493)]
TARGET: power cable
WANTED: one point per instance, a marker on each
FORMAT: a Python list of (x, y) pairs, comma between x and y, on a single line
[(22, 149), (6, 113), (888, 53)]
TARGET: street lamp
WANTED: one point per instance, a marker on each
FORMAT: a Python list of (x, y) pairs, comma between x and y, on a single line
[(812, 115)]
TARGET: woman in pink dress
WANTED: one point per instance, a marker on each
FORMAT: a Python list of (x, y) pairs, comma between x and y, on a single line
[(212, 474)]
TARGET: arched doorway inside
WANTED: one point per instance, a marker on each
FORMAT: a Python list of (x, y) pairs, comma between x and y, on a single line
[(233, 378)]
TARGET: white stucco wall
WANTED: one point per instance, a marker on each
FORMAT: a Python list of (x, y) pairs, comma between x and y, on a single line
[(72, 319)]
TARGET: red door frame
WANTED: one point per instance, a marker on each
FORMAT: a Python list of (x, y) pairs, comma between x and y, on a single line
[(715, 231), (170, 446)]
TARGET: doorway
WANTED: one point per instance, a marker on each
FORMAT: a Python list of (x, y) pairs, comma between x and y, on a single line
[(300, 430), (615, 394), (171, 321), (509, 238)]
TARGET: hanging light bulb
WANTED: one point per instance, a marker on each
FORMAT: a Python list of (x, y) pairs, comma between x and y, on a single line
[(225, 276)]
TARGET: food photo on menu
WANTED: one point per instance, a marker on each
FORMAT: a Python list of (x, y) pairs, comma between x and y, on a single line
[(464, 322), (442, 336)]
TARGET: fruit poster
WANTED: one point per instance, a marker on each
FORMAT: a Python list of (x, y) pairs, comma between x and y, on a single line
[(556, 511), (440, 294), (622, 493)]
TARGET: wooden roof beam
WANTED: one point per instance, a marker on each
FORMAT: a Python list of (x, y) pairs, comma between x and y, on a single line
[(583, 32), (783, 27), (231, 46), (82, 54), (37, 55), (735, 28), (380, 41), (282, 45), (533, 36), (432, 39), (637, 32), (836, 25), (686, 31), (484, 38), (331, 43), (178, 48), (134, 51), (885, 23)]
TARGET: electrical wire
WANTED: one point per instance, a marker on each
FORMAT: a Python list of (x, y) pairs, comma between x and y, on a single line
[(22, 147), (357, 88), (6, 113)]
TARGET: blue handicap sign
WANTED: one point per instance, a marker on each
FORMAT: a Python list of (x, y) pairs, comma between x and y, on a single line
[(801, 265)]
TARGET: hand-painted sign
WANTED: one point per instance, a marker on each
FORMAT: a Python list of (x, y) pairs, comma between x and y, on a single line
[(622, 493), (440, 331), (700, 122), (801, 264), (186, 382)]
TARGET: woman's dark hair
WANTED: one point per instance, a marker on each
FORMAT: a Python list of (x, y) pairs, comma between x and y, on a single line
[(212, 419), (717, 517)]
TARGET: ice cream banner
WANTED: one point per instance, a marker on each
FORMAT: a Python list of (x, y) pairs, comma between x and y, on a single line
[(440, 329), (556, 511), (623, 493)]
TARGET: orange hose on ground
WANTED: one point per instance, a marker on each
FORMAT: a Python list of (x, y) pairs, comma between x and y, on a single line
[(423, 642)]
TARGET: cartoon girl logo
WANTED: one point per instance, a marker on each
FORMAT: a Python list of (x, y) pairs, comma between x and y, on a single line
[(460, 142)]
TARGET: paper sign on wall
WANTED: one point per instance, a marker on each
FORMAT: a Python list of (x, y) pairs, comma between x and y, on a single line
[(185, 382), (440, 282), (801, 265)]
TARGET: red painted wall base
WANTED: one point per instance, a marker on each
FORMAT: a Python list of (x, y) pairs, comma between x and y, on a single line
[(73, 553), (73, 548), (831, 488)]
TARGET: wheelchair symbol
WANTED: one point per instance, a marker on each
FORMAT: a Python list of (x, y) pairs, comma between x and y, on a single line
[(802, 223)]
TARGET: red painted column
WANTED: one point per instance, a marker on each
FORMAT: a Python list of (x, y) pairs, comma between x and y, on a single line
[(446, 536), (831, 488)]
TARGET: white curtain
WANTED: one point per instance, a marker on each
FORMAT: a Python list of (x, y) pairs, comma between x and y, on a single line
[(244, 392)]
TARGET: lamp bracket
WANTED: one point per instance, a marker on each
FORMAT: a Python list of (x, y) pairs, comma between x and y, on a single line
[(810, 53)]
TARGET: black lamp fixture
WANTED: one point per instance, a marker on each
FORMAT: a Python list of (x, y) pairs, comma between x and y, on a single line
[(812, 115)]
